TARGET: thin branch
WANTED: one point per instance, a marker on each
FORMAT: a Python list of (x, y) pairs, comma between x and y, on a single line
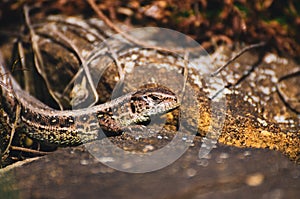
[(247, 48), (185, 74), (132, 39), (13, 129), (84, 66), (111, 25), (27, 80), (16, 148), (38, 59), (3, 171)]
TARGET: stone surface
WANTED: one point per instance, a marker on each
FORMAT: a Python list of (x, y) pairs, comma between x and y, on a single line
[(228, 172)]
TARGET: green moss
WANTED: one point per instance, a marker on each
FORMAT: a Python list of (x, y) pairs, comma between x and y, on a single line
[(242, 8)]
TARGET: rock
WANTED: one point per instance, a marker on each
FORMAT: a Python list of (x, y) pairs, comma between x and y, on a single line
[(228, 172)]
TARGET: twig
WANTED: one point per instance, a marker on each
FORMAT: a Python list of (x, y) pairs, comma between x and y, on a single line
[(16, 148), (84, 65), (185, 74), (247, 48), (38, 60), (111, 25), (132, 39), (13, 129), (27, 79), (15, 165)]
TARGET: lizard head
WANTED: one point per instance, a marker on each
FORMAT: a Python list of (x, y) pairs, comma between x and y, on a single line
[(153, 101)]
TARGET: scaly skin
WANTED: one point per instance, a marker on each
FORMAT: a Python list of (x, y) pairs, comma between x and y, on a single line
[(73, 127)]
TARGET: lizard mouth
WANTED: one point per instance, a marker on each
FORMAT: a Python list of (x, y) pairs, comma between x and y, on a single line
[(163, 108)]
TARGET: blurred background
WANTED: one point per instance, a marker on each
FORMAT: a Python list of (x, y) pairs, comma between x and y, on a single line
[(210, 22)]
